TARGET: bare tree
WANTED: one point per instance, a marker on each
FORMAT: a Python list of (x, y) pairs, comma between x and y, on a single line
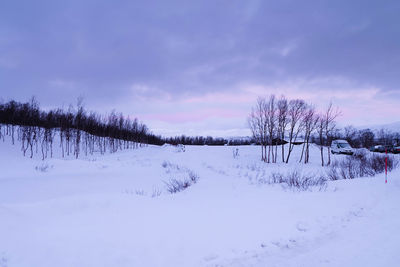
[(351, 135), (36, 128), (385, 137), (295, 113), (263, 124), (283, 121), (326, 128), (310, 124), (78, 124), (257, 125), (320, 130), (330, 124), (270, 119)]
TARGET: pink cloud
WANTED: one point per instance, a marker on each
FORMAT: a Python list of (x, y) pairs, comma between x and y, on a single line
[(358, 104)]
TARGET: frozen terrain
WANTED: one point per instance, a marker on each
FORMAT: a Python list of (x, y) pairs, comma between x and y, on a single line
[(114, 210)]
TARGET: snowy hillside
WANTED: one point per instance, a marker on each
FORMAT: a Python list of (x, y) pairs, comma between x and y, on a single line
[(115, 210)]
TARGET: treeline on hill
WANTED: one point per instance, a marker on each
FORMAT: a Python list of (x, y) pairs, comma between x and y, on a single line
[(79, 130), (209, 140), (76, 129)]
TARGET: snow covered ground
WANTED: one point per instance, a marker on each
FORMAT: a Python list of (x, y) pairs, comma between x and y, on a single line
[(114, 210)]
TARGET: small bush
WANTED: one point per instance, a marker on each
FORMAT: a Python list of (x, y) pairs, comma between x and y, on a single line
[(277, 178), (361, 164), (186, 177), (235, 153), (297, 180), (333, 173), (45, 167), (156, 192), (193, 177), (174, 185), (140, 192)]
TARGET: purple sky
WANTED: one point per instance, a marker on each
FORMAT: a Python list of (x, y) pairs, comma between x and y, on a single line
[(197, 67)]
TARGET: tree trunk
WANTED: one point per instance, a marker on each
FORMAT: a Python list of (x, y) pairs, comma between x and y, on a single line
[(322, 154)]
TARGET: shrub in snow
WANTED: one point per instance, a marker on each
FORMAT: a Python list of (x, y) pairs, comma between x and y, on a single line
[(297, 180), (45, 167), (235, 152), (140, 192), (193, 177), (360, 164), (171, 167), (164, 164), (180, 148), (175, 185), (181, 177), (156, 192), (276, 178)]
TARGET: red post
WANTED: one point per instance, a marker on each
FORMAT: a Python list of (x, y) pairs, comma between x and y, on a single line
[(386, 166)]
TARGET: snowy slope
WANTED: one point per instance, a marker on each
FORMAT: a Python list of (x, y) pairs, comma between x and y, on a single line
[(114, 210)]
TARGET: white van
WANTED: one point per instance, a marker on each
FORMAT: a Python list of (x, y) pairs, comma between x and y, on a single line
[(341, 147)]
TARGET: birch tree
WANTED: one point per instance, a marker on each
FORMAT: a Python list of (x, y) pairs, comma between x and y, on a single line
[(310, 124), (296, 124), (283, 121), (257, 124), (330, 124)]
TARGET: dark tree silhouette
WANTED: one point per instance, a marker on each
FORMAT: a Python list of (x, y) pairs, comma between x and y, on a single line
[(76, 129)]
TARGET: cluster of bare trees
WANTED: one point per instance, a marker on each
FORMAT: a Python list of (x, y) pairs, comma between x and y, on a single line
[(275, 122), (78, 131)]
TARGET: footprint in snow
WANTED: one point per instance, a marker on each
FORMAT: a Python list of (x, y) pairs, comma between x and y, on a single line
[(302, 226), (211, 257), (282, 245), (3, 260)]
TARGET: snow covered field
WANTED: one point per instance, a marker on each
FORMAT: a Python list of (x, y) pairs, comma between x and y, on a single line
[(114, 210)]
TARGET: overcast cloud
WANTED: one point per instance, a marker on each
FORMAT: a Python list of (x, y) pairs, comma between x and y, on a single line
[(197, 67)]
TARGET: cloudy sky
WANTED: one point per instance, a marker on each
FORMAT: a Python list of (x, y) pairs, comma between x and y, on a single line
[(197, 67)]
